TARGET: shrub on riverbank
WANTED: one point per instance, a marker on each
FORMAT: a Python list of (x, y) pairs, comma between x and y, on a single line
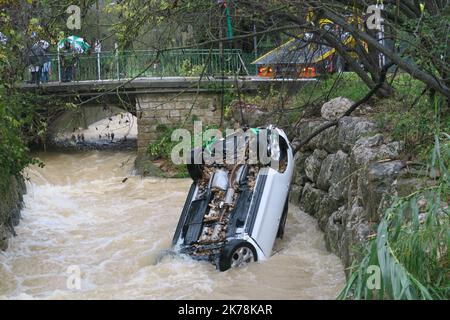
[(160, 151), (14, 152)]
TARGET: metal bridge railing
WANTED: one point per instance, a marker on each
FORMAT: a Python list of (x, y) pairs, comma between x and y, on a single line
[(110, 65)]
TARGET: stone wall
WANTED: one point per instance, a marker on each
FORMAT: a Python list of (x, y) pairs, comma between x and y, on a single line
[(346, 177), (172, 109), (11, 201)]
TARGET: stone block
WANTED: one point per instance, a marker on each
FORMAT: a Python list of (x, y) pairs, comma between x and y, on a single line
[(333, 172), (327, 206), (313, 164), (351, 129), (375, 187), (311, 198), (174, 113), (335, 108)]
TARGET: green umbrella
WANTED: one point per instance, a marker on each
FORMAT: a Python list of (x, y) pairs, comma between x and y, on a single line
[(77, 43)]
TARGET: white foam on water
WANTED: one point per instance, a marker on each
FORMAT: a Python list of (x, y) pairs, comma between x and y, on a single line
[(79, 213)]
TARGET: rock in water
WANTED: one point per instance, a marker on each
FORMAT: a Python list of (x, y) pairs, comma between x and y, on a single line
[(335, 108)]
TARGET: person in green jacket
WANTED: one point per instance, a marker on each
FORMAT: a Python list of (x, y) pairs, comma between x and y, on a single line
[(68, 59)]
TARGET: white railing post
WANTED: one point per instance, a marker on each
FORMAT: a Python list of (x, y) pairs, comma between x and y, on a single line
[(59, 66), (116, 48), (99, 72), (98, 49)]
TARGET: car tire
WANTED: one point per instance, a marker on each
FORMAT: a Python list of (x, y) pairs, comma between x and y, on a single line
[(283, 219), (237, 253)]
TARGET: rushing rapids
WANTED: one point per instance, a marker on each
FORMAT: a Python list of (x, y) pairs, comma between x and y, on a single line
[(82, 214)]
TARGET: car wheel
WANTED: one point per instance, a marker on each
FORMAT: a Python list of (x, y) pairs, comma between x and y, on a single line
[(237, 253), (283, 219)]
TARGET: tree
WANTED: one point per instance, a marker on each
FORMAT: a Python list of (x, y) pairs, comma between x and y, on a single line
[(415, 37)]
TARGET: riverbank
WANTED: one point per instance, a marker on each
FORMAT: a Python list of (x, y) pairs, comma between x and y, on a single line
[(11, 203), (105, 145)]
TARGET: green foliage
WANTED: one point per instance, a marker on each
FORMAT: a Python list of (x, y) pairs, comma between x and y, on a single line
[(408, 117), (267, 98), (187, 69), (229, 96), (427, 41), (347, 84), (163, 146), (18, 118), (14, 152), (161, 149), (411, 245)]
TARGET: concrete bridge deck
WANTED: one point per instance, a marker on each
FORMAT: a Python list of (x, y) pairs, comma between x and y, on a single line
[(156, 85)]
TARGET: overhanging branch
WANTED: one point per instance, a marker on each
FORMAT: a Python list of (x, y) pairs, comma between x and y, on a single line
[(298, 146)]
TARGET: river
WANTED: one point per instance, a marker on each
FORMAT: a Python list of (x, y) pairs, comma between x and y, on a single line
[(82, 214)]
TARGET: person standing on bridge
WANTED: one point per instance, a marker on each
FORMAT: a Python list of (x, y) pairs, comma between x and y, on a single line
[(47, 67), (36, 59), (68, 58)]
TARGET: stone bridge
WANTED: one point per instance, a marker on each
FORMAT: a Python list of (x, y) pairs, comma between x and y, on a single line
[(154, 101)]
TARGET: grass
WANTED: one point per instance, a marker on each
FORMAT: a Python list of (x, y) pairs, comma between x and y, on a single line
[(408, 115)]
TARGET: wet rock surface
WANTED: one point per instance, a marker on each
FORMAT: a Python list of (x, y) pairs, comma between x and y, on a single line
[(313, 164), (146, 167), (347, 177)]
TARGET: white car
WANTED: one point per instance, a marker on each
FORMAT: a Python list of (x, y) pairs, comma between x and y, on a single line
[(237, 207)]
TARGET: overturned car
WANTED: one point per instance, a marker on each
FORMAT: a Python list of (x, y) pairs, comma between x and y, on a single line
[(238, 202)]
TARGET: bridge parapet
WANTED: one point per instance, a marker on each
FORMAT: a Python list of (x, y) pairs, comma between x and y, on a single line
[(150, 63)]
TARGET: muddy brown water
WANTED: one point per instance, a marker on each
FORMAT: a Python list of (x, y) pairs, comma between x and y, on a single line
[(79, 214)]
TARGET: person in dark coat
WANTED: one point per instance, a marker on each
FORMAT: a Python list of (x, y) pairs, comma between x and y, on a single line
[(36, 61)]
